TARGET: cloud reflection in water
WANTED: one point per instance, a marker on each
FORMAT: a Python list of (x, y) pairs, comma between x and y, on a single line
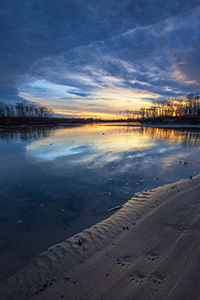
[(90, 142)]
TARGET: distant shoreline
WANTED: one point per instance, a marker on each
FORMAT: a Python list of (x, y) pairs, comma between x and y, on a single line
[(30, 121), (159, 122), (162, 126)]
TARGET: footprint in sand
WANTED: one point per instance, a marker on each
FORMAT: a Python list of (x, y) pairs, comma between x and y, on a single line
[(137, 278), (152, 256), (183, 231), (124, 261), (157, 278)]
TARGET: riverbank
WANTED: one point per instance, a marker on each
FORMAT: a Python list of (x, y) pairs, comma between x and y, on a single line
[(45, 121), (162, 122), (147, 250), (180, 120)]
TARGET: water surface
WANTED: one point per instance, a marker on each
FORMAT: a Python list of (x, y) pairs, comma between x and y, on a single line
[(56, 182)]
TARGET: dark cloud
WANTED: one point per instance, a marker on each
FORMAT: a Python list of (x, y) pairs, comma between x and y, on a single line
[(80, 94), (10, 94), (150, 56), (141, 44)]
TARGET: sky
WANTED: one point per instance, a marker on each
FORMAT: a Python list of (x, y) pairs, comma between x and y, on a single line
[(92, 58)]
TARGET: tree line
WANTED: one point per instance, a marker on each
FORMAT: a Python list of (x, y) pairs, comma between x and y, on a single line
[(172, 107), (24, 109)]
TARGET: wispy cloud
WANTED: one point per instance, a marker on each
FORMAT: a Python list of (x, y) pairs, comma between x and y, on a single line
[(101, 57)]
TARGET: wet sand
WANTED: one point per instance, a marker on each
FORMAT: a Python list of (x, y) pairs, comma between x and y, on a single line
[(149, 249)]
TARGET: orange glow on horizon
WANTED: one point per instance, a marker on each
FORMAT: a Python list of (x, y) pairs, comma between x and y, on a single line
[(104, 103), (85, 114)]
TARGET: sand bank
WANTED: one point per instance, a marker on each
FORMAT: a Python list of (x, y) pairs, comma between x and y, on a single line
[(149, 249)]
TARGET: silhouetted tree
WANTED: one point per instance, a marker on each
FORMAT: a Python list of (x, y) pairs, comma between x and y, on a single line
[(23, 109), (181, 106), (2, 109)]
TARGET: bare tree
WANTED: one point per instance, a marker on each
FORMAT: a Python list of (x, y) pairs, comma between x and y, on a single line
[(2, 109), (23, 109)]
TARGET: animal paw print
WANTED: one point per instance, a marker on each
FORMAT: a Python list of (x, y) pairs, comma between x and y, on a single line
[(137, 278), (152, 256), (124, 261), (185, 232), (157, 278)]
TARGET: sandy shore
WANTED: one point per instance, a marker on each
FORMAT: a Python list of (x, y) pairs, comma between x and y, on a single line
[(147, 250)]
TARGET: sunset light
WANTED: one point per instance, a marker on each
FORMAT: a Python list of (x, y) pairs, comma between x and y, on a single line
[(100, 150)]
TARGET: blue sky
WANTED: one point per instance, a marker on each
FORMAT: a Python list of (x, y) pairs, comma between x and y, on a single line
[(94, 58)]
